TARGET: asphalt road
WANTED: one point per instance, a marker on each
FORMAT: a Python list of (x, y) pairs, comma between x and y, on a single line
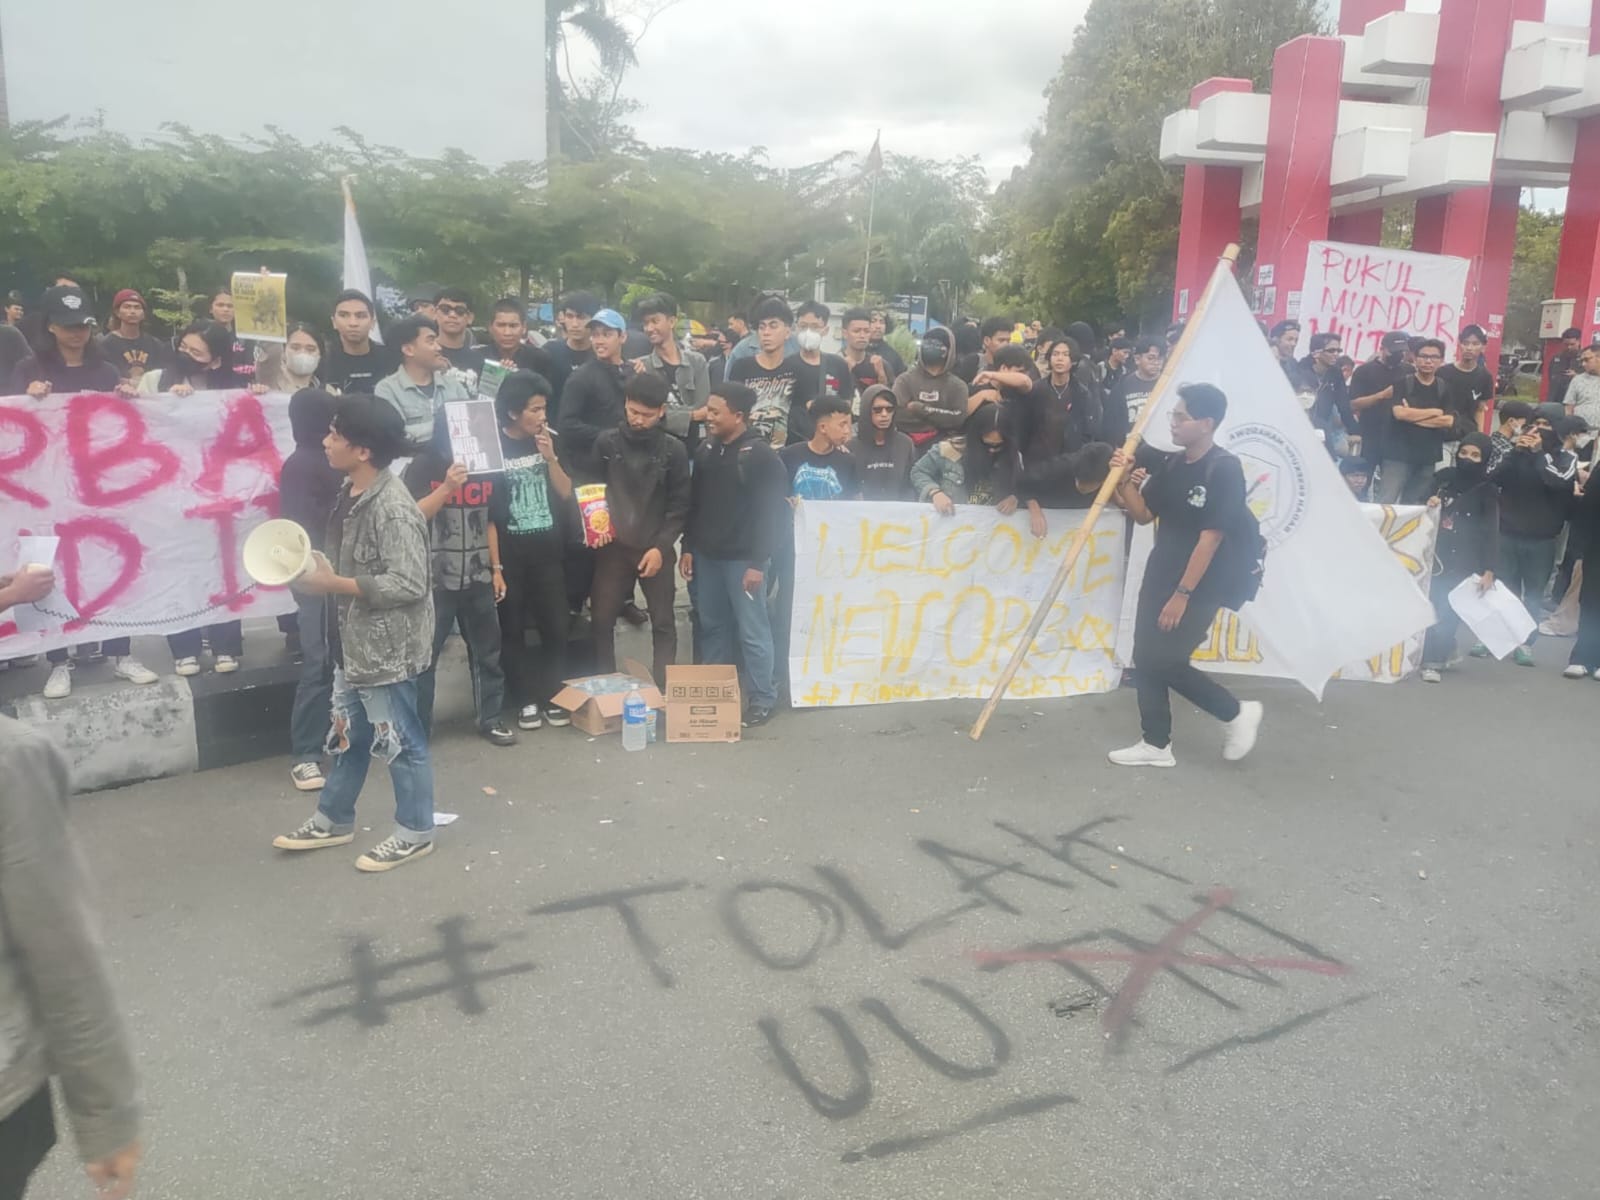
[(866, 958)]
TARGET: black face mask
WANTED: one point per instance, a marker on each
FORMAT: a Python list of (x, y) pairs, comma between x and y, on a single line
[(639, 436), (1469, 472), (1551, 441), (933, 354)]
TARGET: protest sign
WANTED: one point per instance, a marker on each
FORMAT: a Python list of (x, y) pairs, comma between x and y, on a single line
[(474, 435), (260, 306), (151, 500), (1332, 593), (894, 602), (1364, 292)]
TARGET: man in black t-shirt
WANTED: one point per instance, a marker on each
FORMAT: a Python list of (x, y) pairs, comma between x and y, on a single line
[(508, 347), (452, 309), (355, 363), (1126, 398), (1372, 384), (1467, 382), (821, 373), (125, 344), (819, 469), (1420, 422), (1197, 495)]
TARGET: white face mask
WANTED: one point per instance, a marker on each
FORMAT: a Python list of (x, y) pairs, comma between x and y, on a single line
[(809, 339), (302, 362)]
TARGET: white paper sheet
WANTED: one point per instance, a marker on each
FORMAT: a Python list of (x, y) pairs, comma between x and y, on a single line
[(31, 618), (1496, 617)]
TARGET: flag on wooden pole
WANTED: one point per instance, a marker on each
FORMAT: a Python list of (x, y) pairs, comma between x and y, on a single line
[(357, 274)]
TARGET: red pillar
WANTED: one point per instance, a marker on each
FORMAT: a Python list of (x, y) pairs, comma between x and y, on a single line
[(1578, 265), (1210, 219), (1464, 94), (1494, 278), (1296, 194), (1355, 14), (1361, 228)]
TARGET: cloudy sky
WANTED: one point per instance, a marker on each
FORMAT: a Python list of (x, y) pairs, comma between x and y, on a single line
[(810, 80)]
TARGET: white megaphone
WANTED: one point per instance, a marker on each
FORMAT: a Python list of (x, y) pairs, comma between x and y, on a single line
[(277, 553)]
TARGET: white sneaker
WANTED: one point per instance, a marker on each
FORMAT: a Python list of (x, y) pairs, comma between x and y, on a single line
[(1575, 671), (225, 664), (129, 668), (1597, 672), (1239, 734), (187, 666), (1143, 754), (1431, 675), (59, 685)]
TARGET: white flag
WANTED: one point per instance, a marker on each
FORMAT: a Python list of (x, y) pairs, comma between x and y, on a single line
[(1333, 593), (357, 274)]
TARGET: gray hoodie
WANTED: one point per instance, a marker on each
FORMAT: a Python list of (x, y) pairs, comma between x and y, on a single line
[(57, 1014), (931, 402)]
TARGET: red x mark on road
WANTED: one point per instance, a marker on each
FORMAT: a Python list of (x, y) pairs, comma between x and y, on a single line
[(1165, 954)]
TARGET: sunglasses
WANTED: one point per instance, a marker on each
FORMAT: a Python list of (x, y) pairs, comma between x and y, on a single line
[(888, 408), (452, 310)]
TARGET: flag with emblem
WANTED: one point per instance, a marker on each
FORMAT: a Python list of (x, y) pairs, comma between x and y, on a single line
[(1333, 591)]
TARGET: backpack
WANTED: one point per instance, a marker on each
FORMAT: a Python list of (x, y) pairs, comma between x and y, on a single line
[(1242, 555)]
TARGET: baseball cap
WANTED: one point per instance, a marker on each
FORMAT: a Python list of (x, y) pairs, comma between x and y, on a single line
[(1396, 340), (67, 306), (611, 319), (696, 329), (125, 295)]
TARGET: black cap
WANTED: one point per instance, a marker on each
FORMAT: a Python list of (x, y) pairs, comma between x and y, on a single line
[(67, 307), (1396, 340)]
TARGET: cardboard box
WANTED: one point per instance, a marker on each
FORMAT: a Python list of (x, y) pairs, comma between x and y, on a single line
[(703, 704), (596, 701)]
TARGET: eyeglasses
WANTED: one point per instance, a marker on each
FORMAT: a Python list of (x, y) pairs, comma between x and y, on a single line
[(452, 310), (1430, 358), (1333, 350), (878, 408)]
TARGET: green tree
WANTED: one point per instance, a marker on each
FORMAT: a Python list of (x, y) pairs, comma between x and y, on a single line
[(1088, 228), (1533, 274), (605, 35)]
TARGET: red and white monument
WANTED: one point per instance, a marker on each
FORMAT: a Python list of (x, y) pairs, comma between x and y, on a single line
[(1457, 109)]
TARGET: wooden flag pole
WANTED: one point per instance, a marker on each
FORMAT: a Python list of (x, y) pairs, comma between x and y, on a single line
[(1081, 537)]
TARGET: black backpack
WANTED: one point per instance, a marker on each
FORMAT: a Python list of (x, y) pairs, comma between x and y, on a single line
[(1242, 557)]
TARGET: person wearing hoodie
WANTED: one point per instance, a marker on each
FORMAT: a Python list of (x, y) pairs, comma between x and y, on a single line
[(1537, 480), (1068, 481), (1468, 504), (308, 487), (1085, 371), (737, 497), (933, 402), (646, 472), (883, 454), (981, 466)]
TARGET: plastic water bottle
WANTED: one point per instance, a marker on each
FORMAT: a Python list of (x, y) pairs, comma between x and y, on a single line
[(634, 716)]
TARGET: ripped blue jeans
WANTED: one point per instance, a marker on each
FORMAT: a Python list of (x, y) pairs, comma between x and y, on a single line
[(382, 723)]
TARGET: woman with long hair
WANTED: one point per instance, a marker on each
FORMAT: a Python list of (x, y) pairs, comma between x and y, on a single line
[(200, 362), (293, 366), (979, 467)]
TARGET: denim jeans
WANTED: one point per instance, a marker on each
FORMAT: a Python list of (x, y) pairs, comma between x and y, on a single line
[(727, 611), (378, 722), (313, 693), (473, 611), (1403, 482)]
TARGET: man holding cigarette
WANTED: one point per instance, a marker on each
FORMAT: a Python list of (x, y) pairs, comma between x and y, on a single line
[(738, 493)]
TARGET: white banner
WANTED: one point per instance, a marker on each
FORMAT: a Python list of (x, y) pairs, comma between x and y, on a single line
[(1334, 593), (1409, 532), (1364, 292), (894, 602), (151, 500)]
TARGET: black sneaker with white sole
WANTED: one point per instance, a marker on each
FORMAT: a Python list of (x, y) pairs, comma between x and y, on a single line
[(557, 718), (529, 717), (391, 853), (311, 837), (497, 734), (756, 717)]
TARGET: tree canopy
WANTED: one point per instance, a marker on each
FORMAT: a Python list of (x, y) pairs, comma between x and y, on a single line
[(1088, 229)]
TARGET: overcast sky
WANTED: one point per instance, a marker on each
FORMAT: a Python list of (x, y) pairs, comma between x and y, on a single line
[(810, 80)]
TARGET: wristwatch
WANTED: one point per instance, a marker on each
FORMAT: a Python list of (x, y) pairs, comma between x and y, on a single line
[(1185, 592)]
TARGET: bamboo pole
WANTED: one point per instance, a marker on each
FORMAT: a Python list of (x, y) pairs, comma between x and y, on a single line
[(1081, 537)]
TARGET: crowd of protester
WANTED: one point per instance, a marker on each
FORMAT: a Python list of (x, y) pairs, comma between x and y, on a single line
[(703, 437)]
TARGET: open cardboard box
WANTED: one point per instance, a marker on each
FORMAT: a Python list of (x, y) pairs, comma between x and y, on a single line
[(596, 701), (703, 704)]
